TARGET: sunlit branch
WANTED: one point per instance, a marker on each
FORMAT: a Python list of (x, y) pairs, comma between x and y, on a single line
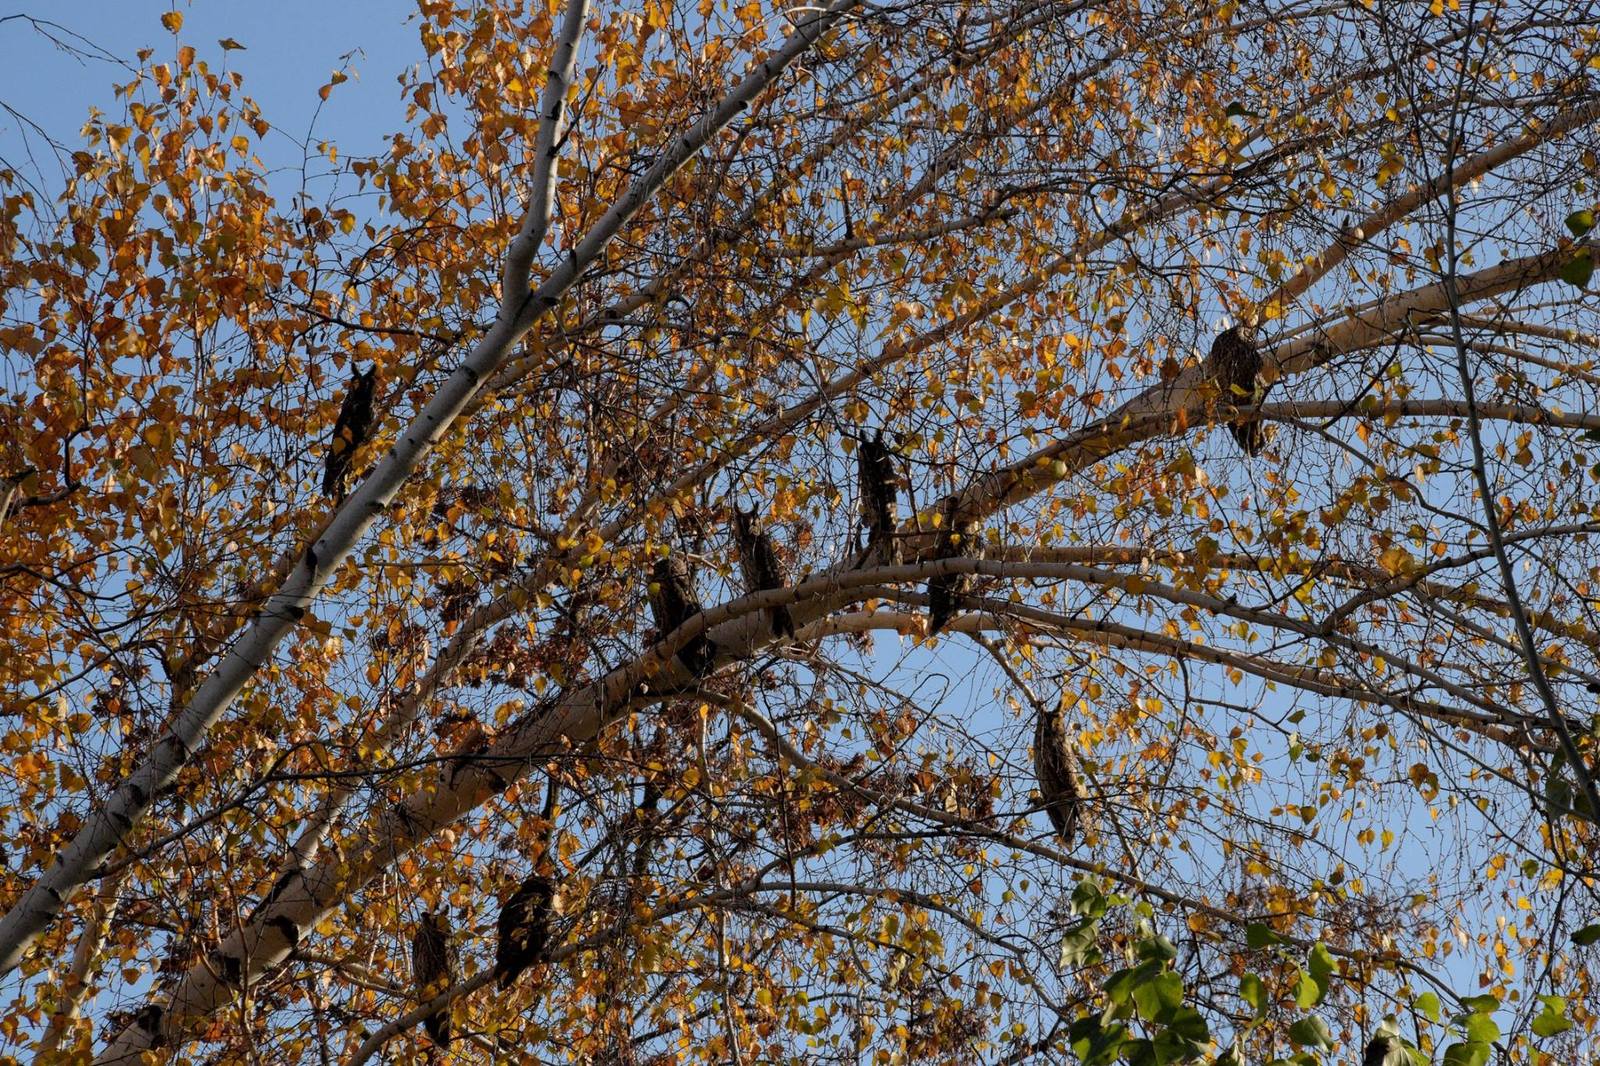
[(1163, 407), (1375, 223), (204, 990)]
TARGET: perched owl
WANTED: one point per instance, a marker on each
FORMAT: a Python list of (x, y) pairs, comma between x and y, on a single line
[(433, 969), (1056, 767), (524, 928), (1234, 364), (946, 592), (673, 601), (758, 559), (877, 483), (349, 432)]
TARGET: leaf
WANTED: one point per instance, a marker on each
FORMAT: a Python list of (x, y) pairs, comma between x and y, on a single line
[(1187, 1024), (1307, 992), (1253, 992), (1553, 1018), (338, 77), (1259, 936), (1079, 945), (1120, 986), (1141, 1052), (230, 45), (1088, 900), (1482, 1028), (1156, 997), (1094, 1043), (1589, 934), (1323, 964), (1578, 270), (1470, 1053), (1157, 947), (1311, 1032), (1428, 1004), (1580, 222), (172, 21)]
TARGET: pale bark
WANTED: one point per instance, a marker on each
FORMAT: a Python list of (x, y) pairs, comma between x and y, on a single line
[(1170, 407), (113, 821), (206, 987), (737, 629), (583, 713)]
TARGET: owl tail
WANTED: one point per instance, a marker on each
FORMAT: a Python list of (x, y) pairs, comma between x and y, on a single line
[(1252, 436)]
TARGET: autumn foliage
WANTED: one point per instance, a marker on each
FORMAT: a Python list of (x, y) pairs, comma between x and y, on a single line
[(632, 269)]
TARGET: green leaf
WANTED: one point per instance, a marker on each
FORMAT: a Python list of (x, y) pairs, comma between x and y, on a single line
[(1173, 1047), (1311, 1032), (1094, 1043), (1258, 936), (1578, 270), (1428, 1004), (1157, 947), (1580, 222), (1323, 964), (1253, 992), (1079, 945), (1187, 1024), (1156, 997), (1485, 1004), (1140, 1052), (1586, 936), (1470, 1053), (1307, 993), (1120, 986), (1482, 1029), (1087, 900)]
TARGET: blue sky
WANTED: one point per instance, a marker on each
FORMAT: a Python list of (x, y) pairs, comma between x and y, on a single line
[(291, 47)]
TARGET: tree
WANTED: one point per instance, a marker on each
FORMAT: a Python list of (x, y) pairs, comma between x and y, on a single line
[(632, 268)]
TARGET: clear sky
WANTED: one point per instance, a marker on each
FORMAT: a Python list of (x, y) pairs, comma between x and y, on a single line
[(290, 49)]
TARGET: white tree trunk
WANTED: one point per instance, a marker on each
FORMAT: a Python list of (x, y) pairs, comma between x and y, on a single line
[(108, 826), (738, 629)]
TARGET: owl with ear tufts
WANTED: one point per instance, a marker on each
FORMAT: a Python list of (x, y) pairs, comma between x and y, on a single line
[(433, 970), (1056, 768), (1235, 365), (525, 925), (350, 431), (758, 559), (875, 464), (673, 601)]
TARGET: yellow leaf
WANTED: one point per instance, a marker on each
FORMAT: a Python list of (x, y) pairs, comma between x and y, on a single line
[(1397, 560), (172, 21)]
